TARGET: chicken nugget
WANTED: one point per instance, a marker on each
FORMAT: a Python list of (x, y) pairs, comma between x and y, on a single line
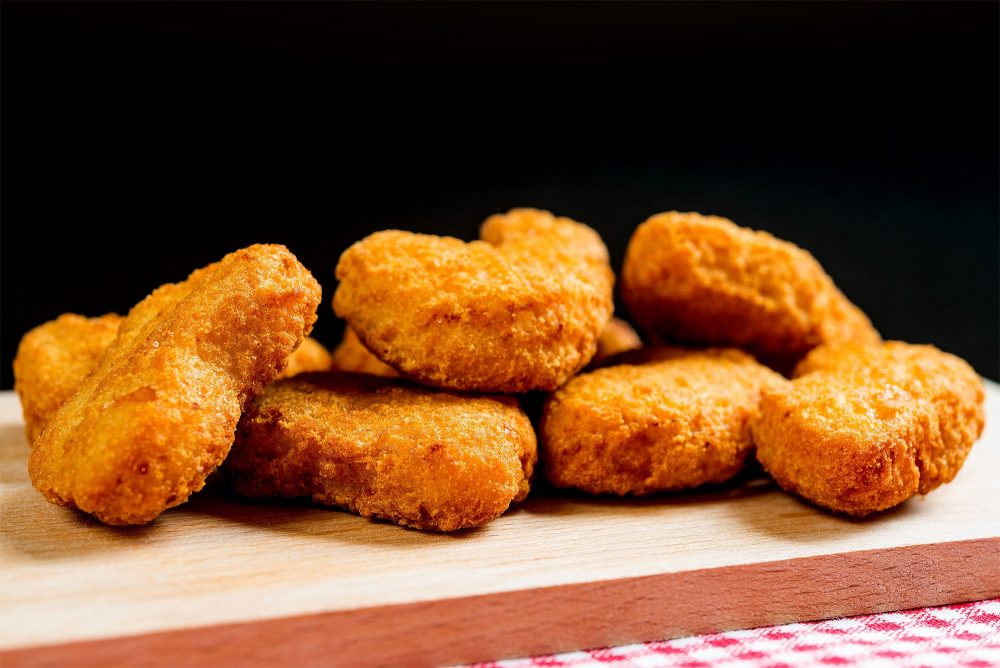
[(53, 359), (704, 279), (384, 448), (352, 356), (157, 416), (867, 427), (520, 310), (677, 418), (618, 337), (311, 355), (829, 357)]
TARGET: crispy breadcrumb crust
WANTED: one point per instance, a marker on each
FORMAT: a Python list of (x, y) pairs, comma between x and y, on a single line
[(53, 359), (157, 416), (865, 428), (311, 355), (520, 310), (616, 338), (385, 448), (704, 279), (673, 419), (823, 358), (351, 356)]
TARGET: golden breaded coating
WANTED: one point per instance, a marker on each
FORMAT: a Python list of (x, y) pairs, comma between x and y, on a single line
[(704, 279), (520, 310), (53, 359), (157, 415), (618, 337), (830, 357), (311, 355), (676, 419), (948, 382), (384, 448), (867, 427), (351, 356)]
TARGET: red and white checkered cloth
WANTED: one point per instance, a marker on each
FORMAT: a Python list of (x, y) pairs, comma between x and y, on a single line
[(965, 635)]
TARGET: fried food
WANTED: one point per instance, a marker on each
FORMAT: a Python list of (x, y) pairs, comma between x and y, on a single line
[(865, 428), (672, 419), (352, 356), (520, 310), (618, 337), (704, 279), (311, 355), (824, 358), (53, 359), (157, 415), (384, 448)]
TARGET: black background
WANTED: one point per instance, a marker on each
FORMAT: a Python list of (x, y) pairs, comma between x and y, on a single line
[(143, 140)]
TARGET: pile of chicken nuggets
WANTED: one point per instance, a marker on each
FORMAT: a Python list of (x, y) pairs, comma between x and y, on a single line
[(418, 416)]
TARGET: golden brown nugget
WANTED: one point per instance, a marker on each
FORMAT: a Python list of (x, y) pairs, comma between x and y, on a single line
[(311, 355), (53, 359), (618, 337), (867, 427), (352, 356), (951, 386), (520, 310), (704, 279), (157, 415), (679, 419), (384, 448), (831, 357)]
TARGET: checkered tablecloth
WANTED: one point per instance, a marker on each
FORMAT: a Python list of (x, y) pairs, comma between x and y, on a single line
[(966, 635)]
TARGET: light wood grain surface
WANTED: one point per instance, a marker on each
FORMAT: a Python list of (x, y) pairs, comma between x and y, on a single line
[(738, 555)]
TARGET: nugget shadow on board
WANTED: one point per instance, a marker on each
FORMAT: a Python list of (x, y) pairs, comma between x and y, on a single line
[(547, 499), (301, 517), (34, 527), (793, 518)]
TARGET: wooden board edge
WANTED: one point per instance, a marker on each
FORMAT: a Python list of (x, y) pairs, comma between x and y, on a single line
[(567, 617)]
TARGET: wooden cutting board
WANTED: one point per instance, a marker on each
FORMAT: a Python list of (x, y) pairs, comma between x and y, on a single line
[(222, 582)]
